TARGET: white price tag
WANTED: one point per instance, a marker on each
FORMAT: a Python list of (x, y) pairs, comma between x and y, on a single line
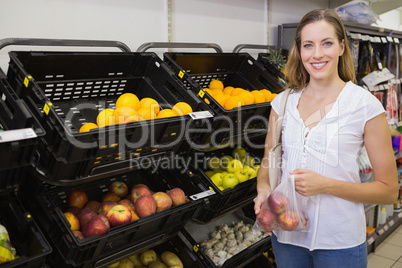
[(400, 215), (386, 227), (370, 240), (377, 39), (365, 37), (384, 40), (17, 134), (389, 38), (396, 40), (200, 115), (202, 195), (391, 222), (356, 36), (380, 232)]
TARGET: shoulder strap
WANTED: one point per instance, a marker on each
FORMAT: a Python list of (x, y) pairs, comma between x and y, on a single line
[(280, 115)]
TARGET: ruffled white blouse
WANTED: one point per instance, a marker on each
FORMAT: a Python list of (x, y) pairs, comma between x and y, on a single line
[(331, 149)]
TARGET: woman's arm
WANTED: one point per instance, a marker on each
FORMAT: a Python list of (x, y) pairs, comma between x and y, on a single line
[(384, 188), (263, 187)]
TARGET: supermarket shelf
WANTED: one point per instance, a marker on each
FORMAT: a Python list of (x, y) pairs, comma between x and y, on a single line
[(383, 231)]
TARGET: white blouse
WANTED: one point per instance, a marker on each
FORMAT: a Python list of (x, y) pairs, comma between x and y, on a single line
[(331, 149)]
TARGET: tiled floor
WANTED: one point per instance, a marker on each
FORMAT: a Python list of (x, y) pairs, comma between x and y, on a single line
[(389, 253)]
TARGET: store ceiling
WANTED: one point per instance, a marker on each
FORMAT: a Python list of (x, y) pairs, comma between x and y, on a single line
[(378, 6)]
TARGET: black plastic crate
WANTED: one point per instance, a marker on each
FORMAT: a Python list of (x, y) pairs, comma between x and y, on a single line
[(67, 89), (48, 202), (193, 234), (19, 135), (228, 200), (25, 236), (175, 245), (196, 70)]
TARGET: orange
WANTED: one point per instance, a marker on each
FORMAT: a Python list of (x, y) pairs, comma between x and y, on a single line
[(258, 96), (106, 118), (236, 91), (228, 90), (182, 108), (233, 101), (209, 91), (87, 127), (216, 84), (128, 99), (247, 97), (221, 99), (267, 94), (274, 95), (216, 92), (166, 113), (125, 114), (150, 102), (73, 221), (146, 113)]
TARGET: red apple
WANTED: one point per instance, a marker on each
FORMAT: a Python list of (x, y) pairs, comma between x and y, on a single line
[(278, 202), (163, 201), (118, 215), (73, 221), (126, 202), (78, 234), (76, 198), (138, 185), (139, 191), (177, 195), (98, 225), (119, 188), (131, 207), (73, 210), (304, 220), (85, 215), (145, 206), (105, 206), (267, 220), (111, 197), (93, 204), (288, 220)]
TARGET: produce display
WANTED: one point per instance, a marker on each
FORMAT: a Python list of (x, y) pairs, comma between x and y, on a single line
[(227, 241), (150, 259), (118, 206), (228, 171), (231, 97), (129, 108), (7, 251)]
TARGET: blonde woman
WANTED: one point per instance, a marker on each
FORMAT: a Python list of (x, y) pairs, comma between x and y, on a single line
[(327, 120)]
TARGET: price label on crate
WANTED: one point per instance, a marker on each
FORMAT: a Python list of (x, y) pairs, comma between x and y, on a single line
[(202, 195), (17, 134), (200, 115), (370, 240)]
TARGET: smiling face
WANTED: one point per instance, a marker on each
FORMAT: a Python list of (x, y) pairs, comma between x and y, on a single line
[(320, 50)]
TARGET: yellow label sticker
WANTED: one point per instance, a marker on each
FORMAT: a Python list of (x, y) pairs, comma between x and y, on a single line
[(201, 93), (181, 74), (195, 248), (26, 80), (46, 108)]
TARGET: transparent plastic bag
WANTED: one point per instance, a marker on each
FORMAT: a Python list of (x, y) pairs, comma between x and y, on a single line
[(283, 210)]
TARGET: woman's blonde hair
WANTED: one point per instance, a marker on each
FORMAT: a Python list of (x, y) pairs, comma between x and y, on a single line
[(296, 75)]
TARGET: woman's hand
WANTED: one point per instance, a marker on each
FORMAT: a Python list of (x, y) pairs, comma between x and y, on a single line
[(259, 200), (308, 183)]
